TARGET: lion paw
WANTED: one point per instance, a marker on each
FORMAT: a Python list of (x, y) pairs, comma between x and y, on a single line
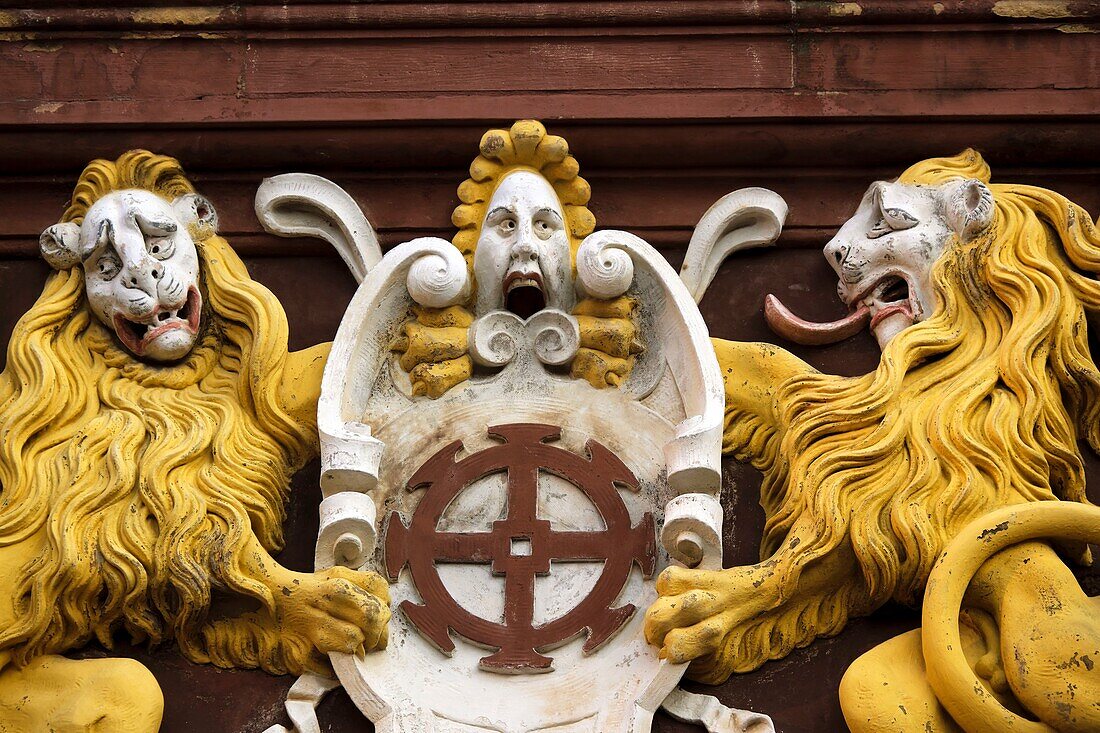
[(336, 610), (700, 614)]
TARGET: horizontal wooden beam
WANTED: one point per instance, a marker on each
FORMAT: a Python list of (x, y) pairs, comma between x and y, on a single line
[(150, 15)]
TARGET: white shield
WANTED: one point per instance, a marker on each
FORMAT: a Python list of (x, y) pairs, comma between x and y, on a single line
[(519, 587)]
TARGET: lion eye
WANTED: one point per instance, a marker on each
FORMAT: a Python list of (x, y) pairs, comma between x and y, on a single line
[(899, 218), (108, 266), (882, 227), (161, 247)]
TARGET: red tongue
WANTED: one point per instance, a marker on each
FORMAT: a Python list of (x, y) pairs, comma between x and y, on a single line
[(808, 333)]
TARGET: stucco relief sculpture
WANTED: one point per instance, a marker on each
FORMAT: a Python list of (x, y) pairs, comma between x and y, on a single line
[(951, 474), (507, 203), (472, 452), (152, 420)]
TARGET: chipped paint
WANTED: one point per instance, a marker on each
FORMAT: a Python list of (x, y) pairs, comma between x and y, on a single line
[(1032, 9), (993, 530), (176, 16), (937, 8), (42, 47), (845, 9), (48, 107), (1078, 28)]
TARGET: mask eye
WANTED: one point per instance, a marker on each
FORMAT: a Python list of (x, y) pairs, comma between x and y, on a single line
[(543, 229), (108, 266), (161, 247), (507, 224)]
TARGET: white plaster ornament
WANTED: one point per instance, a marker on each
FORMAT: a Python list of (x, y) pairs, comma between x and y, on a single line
[(522, 516), (883, 256), (141, 267)]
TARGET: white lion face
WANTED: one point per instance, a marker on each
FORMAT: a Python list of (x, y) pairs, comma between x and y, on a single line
[(884, 257), (522, 259), (141, 268)]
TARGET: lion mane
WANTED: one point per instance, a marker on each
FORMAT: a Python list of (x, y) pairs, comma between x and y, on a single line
[(145, 481), (980, 406)]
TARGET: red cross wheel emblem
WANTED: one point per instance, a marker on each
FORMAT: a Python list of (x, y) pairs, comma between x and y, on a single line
[(524, 452)]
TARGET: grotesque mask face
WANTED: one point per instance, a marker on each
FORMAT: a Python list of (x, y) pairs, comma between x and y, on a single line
[(884, 256), (141, 268), (522, 259)]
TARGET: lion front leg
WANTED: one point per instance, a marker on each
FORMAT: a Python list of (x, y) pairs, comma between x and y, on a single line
[(62, 695), (734, 620), (311, 615)]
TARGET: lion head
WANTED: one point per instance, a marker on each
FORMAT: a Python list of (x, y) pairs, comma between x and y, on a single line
[(980, 295), (143, 441)]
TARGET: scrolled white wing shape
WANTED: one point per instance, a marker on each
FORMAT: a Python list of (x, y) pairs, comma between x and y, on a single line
[(694, 456), (493, 338), (746, 218), (556, 336), (438, 280), (604, 271), (305, 205), (350, 455), (709, 712), (302, 701)]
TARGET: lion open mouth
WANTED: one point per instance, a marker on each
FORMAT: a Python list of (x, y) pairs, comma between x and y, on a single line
[(524, 294), (890, 296), (883, 298), (137, 335)]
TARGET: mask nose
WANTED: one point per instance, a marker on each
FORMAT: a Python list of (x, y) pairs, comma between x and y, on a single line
[(524, 250)]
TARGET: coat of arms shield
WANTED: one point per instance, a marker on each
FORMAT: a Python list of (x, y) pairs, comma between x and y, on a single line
[(519, 439)]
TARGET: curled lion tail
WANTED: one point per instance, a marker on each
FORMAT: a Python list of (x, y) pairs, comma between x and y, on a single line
[(951, 677)]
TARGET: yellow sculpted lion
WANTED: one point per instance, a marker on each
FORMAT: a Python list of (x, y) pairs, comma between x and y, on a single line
[(979, 295), (153, 418)]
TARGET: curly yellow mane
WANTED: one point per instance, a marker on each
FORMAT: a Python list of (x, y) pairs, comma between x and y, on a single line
[(145, 481), (526, 146), (979, 406)]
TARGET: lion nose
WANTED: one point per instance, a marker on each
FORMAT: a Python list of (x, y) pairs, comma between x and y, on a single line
[(143, 276), (836, 251)]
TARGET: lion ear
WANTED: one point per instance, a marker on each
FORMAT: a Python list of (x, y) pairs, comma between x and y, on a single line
[(968, 207), (60, 245), (197, 214)]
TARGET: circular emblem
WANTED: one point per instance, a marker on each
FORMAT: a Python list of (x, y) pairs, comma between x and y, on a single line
[(520, 547)]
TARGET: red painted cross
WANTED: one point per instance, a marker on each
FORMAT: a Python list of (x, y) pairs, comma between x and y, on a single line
[(521, 546)]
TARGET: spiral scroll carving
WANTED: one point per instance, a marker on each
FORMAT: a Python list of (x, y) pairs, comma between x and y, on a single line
[(603, 269), (556, 337), (493, 339), (438, 279)]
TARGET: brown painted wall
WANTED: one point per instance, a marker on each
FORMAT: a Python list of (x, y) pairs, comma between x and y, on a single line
[(667, 105)]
